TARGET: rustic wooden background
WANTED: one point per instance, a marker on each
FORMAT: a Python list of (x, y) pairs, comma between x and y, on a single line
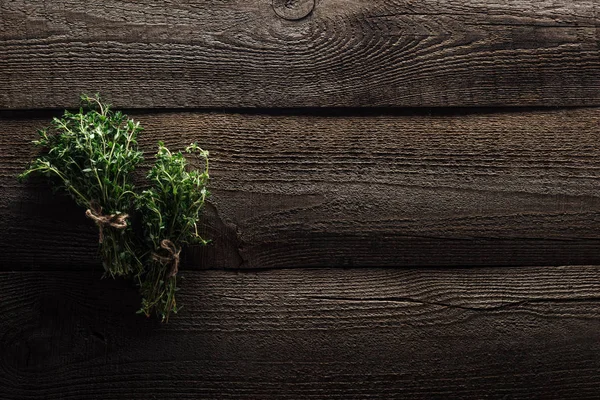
[(406, 199)]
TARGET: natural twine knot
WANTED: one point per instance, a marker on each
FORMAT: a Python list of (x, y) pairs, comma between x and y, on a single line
[(117, 221), (172, 258)]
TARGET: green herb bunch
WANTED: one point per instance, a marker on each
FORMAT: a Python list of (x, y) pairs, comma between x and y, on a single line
[(91, 155), (170, 210)]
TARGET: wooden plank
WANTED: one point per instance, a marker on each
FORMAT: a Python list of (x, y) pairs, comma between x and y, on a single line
[(483, 188), (247, 53), (496, 333)]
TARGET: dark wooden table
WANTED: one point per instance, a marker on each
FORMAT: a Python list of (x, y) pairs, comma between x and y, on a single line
[(405, 200)]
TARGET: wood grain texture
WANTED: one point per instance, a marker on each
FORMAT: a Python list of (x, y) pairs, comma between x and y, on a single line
[(497, 333), (240, 53), (505, 188)]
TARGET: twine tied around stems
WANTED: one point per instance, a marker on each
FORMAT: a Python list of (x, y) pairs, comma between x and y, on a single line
[(117, 221), (172, 258)]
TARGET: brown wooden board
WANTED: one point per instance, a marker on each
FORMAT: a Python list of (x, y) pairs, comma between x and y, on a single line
[(494, 333), (249, 53), (506, 188)]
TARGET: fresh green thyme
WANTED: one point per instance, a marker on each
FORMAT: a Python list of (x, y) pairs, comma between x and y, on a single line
[(169, 212), (91, 155)]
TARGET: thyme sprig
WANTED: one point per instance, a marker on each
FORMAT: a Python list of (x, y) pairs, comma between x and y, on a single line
[(91, 155)]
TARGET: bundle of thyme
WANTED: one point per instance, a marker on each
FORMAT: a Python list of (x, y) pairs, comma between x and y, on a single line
[(91, 155), (169, 212)]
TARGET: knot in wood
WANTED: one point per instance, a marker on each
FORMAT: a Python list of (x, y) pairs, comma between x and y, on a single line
[(293, 10)]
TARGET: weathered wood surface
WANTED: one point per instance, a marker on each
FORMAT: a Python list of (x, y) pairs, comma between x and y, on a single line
[(242, 53), (492, 333), (482, 188)]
